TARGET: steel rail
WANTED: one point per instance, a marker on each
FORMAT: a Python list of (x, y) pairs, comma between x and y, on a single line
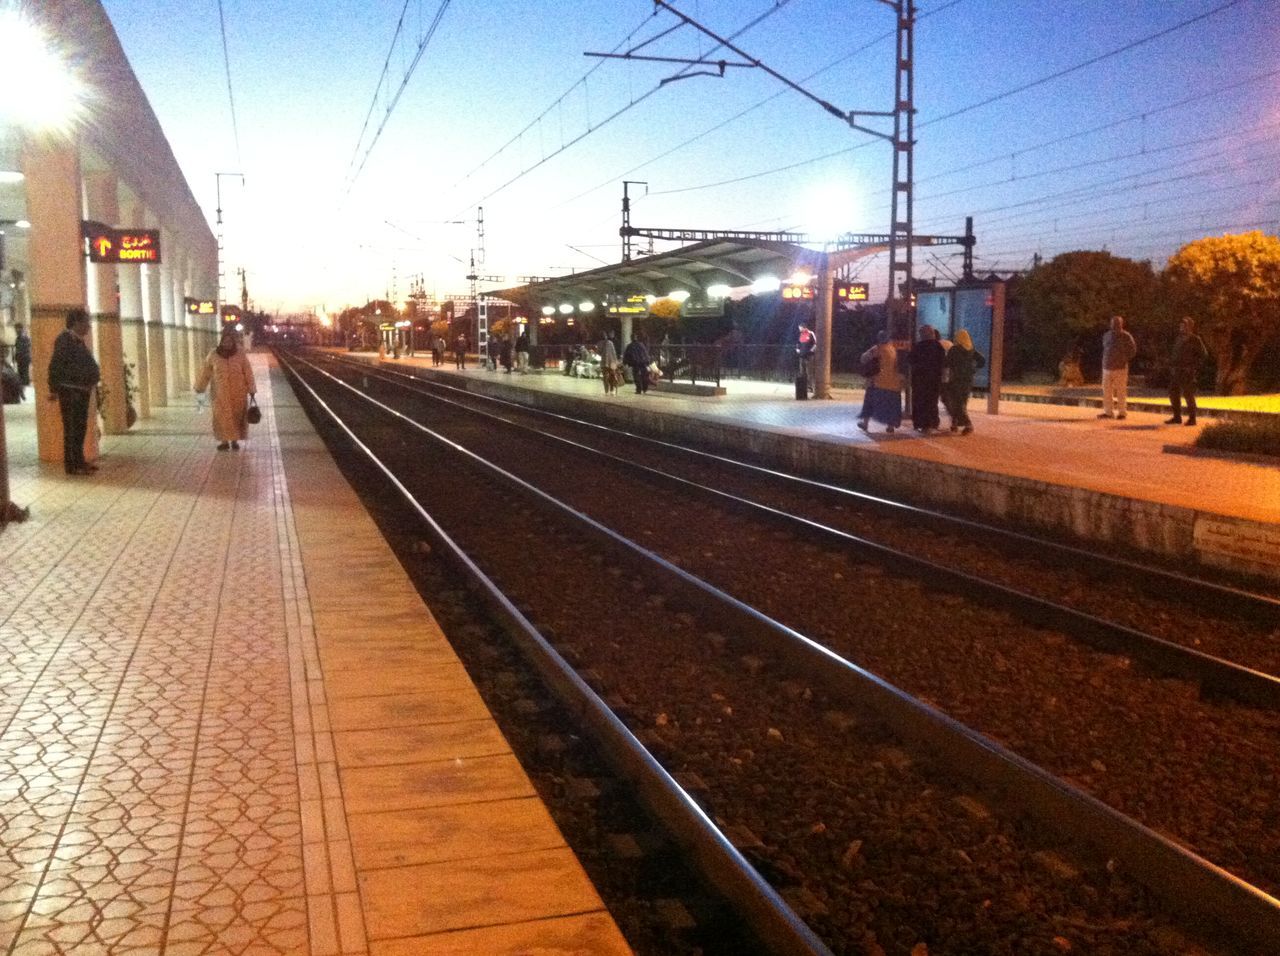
[(1215, 675), (1202, 893), (1253, 604), (720, 863)]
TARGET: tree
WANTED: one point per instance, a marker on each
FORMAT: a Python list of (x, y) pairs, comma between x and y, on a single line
[(1069, 300), (1231, 284)]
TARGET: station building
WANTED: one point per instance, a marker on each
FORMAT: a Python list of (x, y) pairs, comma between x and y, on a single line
[(86, 171)]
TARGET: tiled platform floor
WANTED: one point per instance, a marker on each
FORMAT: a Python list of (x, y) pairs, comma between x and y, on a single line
[(228, 724)]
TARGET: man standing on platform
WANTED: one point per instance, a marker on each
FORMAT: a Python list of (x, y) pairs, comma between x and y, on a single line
[(73, 373), (22, 355), (1188, 356), (806, 345), (1118, 350)]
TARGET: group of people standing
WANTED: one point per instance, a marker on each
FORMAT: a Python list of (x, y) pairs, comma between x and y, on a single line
[(937, 371), (1186, 360), (74, 376), (635, 356)]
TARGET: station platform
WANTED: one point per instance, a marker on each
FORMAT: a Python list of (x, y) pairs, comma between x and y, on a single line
[(229, 724), (1055, 468)]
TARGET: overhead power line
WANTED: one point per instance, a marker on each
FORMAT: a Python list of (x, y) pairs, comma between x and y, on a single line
[(1058, 74), (423, 41), (778, 5), (844, 58), (231, 97)]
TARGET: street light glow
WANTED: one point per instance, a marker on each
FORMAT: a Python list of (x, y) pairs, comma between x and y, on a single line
[(718, 291), (51, 97), (586, 306), (678, 295), (548, 310), (766, 284), (566, 308)]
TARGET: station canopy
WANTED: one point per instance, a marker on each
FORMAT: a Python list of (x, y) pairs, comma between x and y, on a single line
[(693, 269)]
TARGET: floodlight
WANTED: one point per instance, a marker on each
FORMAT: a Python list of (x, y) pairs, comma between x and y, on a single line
[(679, 295), (766, 284), (718, 291)]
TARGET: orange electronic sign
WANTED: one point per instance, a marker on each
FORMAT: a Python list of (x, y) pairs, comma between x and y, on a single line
[(853, 291), (791, 291), (128, 246), (200, 306)]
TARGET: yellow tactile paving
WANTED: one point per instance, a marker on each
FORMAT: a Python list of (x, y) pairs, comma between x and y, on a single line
[(228, 723)]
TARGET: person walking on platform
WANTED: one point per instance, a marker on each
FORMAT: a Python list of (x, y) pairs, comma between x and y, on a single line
[(437, 350), (460, 346), (963, 362), (883, 399), (1185, 363), (806, 346), (227, 368), (22, 354), (522, 351), (927, 360), (610, 368), (636, 358), (73, 375), (504, 353), (1118, 350)]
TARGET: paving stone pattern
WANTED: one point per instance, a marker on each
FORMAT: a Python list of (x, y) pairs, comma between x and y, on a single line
[(215, 738)]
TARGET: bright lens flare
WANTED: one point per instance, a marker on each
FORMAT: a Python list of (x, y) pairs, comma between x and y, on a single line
[(44, 93)]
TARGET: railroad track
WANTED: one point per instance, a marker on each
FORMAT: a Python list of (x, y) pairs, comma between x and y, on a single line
[(1191, 884)]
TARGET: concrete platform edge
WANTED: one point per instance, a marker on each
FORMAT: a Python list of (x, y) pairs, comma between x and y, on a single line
[(1169, 531)]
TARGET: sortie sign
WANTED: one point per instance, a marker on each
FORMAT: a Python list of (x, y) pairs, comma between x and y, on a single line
[(121, 246)]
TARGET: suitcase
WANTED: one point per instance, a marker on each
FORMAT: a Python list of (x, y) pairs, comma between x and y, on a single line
[(802, 387)]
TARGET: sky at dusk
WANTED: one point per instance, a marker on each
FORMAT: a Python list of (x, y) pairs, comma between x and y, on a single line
[(1138, 152)]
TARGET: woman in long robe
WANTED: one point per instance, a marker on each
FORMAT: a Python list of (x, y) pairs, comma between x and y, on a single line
[(227, 369)]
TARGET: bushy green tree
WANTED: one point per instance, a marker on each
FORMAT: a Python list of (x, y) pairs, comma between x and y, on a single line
[(1231, 286), (1074, 295)]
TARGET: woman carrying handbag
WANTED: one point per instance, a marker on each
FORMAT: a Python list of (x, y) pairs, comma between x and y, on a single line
[(227, 369)]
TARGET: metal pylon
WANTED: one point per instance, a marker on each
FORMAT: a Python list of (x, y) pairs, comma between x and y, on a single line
[(901, 214)]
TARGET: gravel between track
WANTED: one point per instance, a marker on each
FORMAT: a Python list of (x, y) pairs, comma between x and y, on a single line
[(875, 850)]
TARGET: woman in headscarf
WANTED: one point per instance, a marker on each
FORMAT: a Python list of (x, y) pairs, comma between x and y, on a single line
[(883, 400), (227, 367), (927, 360), (963, 360)]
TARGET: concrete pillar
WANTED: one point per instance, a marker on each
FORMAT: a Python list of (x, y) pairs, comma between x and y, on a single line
[(102, 205), (195, 327), (56, 283), (823, 307), (132, 317), (153, 314), (179, 358)]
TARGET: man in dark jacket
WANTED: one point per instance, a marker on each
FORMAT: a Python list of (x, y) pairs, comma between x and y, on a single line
[(636, 357), (1185, 363), (73, 373), (22, 355), (927, 359)]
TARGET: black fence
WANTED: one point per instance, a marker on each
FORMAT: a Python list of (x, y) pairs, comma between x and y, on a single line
[(706, 364)]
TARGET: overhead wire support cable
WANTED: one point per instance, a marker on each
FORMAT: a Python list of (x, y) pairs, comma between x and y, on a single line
[(394, 99), (231, 97), (557, 102), (1092, 61), (887, 35), (778, 5)]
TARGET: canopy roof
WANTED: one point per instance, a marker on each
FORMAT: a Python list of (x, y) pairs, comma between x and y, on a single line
[(695, 268)]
